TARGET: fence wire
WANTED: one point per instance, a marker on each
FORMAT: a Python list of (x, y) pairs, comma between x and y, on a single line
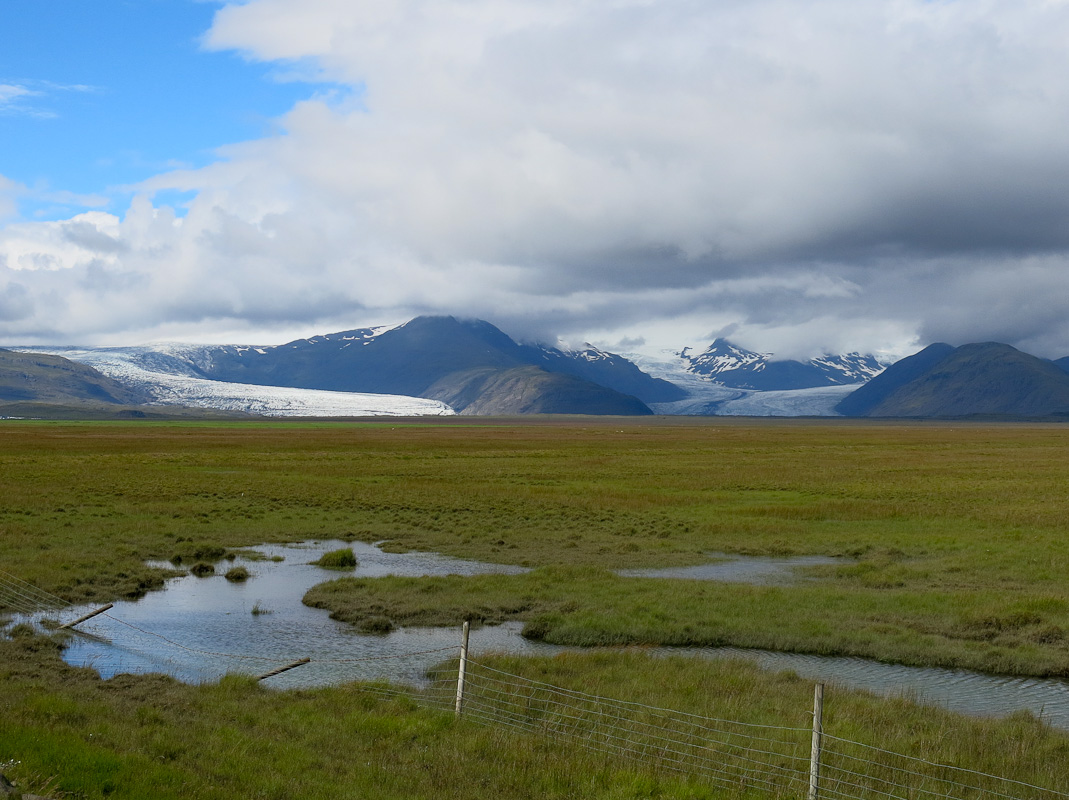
[(726, 753), (853, 770), (25, 598), (774, 761)]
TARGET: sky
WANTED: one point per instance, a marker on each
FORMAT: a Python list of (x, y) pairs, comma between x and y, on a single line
[(799, 176)]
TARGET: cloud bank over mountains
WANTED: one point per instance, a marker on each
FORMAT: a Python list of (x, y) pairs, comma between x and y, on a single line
[(826, 175)]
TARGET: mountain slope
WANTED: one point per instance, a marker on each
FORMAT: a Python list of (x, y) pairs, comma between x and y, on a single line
[(975, 379), (531, 390), (871, 394), (736, 367), (605, 369), (39, 378)]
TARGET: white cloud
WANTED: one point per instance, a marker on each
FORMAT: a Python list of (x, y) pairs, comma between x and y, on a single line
[(10, 92), (14, 96), (826, 173)]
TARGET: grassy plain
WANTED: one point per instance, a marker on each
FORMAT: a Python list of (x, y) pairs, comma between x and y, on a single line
[(958, 535), (958, 531)]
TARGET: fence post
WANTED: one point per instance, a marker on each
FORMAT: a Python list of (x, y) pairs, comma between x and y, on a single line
[(818, 732), (463, 667), (286, 668), (90, 615)]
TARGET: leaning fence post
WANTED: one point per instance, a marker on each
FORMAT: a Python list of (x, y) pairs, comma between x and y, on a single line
[(463, 667), (286, 668), (90, 615), (818, 732)]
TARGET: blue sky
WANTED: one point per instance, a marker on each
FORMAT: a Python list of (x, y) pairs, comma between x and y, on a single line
[(810, 175), (119, 91)]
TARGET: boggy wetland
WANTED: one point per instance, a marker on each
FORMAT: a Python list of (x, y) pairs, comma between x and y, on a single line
[(945, 546)]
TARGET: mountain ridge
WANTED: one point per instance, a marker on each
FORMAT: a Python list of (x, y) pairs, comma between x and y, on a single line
[(730, 365), (444, 365), (978, 379)]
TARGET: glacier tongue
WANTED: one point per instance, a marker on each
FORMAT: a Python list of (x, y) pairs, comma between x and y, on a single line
[(167, 379), (708, 398)]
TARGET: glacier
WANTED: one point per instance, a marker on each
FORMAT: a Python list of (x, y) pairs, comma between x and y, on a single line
[(707, 398), (162, 373)]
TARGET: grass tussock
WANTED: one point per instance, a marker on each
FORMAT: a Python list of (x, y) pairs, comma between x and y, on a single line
[(259, 610), (237, 574), (343, 558)]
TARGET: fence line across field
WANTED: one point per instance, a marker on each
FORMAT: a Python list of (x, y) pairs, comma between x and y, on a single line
[(778, 760)]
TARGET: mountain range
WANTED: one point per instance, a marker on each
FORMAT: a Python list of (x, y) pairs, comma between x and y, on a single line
[(470, 365), (730, 365), (443, 365)]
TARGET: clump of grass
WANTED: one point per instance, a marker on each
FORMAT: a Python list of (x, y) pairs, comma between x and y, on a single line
[(258, 610), (202, 551), (377, 624), (202, 570), (344, 558), (237, 574)]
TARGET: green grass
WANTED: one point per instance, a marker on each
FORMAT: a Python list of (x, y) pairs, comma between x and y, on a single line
[(959, 531), (958, 535), (150, 736), (588, 607)]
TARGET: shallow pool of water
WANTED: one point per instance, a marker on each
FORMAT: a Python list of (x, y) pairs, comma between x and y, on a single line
[(728, 568), (196, 628)]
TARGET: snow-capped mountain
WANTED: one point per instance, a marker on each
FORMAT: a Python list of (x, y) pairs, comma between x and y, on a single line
[(437, 364), (468, 364), (729, 365)]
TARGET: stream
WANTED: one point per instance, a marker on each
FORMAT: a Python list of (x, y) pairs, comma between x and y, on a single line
[(199, 629)]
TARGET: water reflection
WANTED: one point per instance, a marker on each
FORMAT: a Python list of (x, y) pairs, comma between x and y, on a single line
[(194, 628)]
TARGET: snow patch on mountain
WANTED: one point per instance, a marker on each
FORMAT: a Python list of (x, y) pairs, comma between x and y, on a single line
[(729, 364), (166, 374)]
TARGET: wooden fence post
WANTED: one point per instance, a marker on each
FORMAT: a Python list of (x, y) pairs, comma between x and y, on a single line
[(818, 732), (286, 668), (463, 667), (90, 615)]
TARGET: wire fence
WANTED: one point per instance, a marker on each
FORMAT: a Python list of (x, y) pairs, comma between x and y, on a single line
[(725, 753), (743, 758), (773, 761)]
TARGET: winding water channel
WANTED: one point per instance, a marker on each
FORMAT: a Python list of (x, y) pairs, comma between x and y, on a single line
[(198, 629)]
